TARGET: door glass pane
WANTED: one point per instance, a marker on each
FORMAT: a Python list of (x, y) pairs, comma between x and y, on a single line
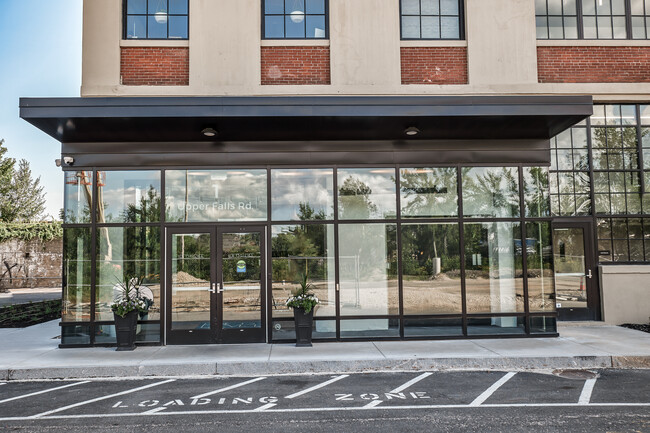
[(190, 282), (570, 280), (241, 279)]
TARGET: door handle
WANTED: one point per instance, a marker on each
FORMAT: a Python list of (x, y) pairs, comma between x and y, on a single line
[(219, 289), (212, 290), (589, 274)]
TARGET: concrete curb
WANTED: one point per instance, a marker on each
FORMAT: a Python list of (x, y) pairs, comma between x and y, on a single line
[(325, 366)]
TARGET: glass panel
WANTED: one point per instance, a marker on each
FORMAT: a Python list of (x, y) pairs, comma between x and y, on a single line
[(556, 27), (493, 268), (274, 27), (274, 6), (449, 28), (433, 327), (430, 28), (431, 269), (157, 27), (294, 5), (490, 192), (125, 253), (410, 7), (190, 285), (603, 7), (369, 328), (645, 113), (136, 7), (76, 274), (555, 7), (77, 195), (536, 192), (157, 6), (541, 25), (589, 7), (242, 280), (368, 269), (449, 7), (410, 27), (495, 325), (604, 28), (539, 256), (128, 196), (543, 325), (618, 7), (589, 27), (570, 268), (75, 334), (316, 26), (294, 25), (569, 7), (620, 27), (315, 7), (540, 7), (215, 195), (570, 28), (366, 193), (430, 7), (136, 27), (302, 194), (286, 329), (637, 7), (429, 192), (299, 250), (178, 7), (178, 27)]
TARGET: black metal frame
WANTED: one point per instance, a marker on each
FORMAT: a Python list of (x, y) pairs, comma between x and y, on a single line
[(125, 16), (461, 23), (580, 23), (284, 30)]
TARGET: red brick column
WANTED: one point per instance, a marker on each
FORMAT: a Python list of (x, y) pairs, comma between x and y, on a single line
[(155, 66), (295, 65), (593, 64), (434, 65)]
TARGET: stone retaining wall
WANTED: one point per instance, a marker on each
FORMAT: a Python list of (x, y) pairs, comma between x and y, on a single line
[(30, 264)]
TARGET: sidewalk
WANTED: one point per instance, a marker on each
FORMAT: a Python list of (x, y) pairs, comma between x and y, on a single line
[(23, 296), (33, 353)]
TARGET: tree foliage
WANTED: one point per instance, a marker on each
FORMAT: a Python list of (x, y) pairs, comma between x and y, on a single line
[(21, 197), (6, 175)]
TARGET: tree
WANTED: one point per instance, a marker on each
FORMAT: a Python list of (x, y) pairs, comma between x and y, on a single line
[(6, 175), (26, 200)]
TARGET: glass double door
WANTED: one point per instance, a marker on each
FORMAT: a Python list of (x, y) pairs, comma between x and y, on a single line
[(215, 285), (576, 289)]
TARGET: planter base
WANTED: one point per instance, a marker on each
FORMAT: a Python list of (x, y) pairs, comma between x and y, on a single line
[(125, 328), (304, 323)]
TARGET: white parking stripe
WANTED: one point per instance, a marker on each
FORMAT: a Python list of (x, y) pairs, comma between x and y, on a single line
[(263, 408), (106, 397), (411, 382), (44, 391), (320, 385), (228, 388), (585, 395), (488, 392), (373, 404)]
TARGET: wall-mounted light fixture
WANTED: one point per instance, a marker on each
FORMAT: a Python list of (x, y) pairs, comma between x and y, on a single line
[(209, 132), (411, 131)]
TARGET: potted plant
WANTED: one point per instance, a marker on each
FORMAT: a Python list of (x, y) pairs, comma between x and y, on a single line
[(303, 302), (131, 300)]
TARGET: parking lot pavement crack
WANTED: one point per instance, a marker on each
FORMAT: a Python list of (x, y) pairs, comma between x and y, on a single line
[(379, 350)]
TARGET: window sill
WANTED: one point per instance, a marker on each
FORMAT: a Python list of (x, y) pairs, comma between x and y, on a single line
[(430, 43), (593, 43), (295, 42), (154, 43)]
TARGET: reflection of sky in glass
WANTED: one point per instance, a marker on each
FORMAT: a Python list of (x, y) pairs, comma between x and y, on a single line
[(124, 189), (379, 202), (290, 188), (216, 195), (429, 192)]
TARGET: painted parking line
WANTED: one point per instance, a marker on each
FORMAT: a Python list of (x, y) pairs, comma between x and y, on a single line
[(491, 390), (31, 394), (585, 395), (228, 388), (330, 409), (319, 386), (411, 382), (106, 397)]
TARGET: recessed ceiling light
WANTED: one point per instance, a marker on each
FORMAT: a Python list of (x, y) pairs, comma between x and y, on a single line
[(411, 131), (209, 132)]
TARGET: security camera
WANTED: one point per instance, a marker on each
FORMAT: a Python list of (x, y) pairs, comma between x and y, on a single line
[(68, 160), (57, 162)]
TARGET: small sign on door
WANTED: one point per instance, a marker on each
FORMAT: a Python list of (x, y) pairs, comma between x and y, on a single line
[(241, 267)]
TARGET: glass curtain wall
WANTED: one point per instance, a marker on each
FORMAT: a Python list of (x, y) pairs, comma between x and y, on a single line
[(391, 252)]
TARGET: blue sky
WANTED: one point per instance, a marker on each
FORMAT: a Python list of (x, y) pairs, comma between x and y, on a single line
[(40, 55)]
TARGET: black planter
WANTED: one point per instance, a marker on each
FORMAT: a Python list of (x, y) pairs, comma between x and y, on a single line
[(125, 328), (304, 323)]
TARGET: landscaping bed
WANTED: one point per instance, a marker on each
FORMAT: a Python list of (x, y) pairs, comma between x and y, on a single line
[(33, 313), (637, 326)]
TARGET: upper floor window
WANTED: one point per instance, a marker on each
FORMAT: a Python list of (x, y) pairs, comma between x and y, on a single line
[(156, 19), (593, 19), (430, 19), (295, 19)]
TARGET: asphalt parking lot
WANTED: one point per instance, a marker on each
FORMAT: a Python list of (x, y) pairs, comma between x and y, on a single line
[(605, 400)]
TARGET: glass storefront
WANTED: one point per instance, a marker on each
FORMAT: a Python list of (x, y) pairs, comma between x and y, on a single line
[(391, 251)]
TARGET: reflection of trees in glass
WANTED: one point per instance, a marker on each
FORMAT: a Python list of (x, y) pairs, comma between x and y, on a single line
[(148, 210), (429, 192), (195, 258), (622, 148), (304, 247), (241, 246), (136, 248), (536, 190), (75, 181), (354, 199), (495, 192), (76, 274), (423, 243)]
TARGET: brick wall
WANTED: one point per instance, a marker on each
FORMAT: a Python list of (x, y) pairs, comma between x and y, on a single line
[(295, 65), (155, 66), (593, 64), (434, 65)]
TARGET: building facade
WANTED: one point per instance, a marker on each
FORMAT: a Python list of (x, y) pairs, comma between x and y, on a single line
[(435, 168)]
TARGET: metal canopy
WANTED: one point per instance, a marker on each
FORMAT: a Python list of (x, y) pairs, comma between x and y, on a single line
[(298, 118)]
